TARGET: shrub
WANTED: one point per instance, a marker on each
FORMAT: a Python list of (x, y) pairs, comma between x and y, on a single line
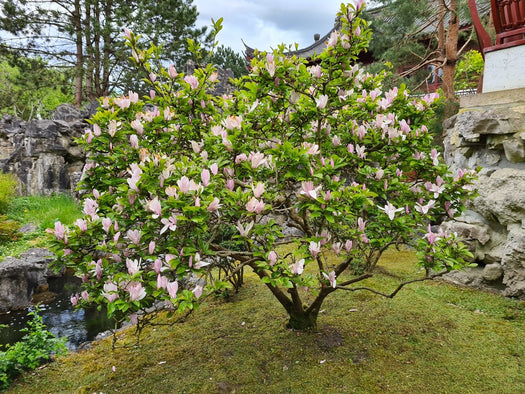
[(311, 145), (8, 183), (35, 348), (9, 230)]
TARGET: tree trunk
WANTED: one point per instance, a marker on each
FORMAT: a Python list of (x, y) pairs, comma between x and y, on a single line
[(451, 51), (79, 64), (89, 49)]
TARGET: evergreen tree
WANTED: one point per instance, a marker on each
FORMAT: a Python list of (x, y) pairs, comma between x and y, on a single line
[(86, 35), (420, 36), (226, 57)]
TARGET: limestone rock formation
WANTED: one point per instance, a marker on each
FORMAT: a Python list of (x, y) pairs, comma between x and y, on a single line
[(42, 153), (21, 277), (489, 132)]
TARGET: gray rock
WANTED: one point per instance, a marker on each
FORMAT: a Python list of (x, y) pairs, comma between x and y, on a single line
[(492, 272), (19, 277), (493, 137)]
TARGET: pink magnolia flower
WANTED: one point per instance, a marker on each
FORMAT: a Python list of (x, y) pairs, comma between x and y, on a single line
[(134, 236), (127, 33), (192, 81), (298, 267), (230, 184), (232, 122), (151, 247), (240, 158), (244, 231), (316, 71), (214, 205), (60, 230), (321, 101), (155, 207), (172, 72), (314, 248), (434, 156), (134, 141), (197, 291), (106, 224), (133, 266), (390, 210), (425, 208), (361, 224), (258, 190), (96, 130), (133, 97), (270, 65), (184, 184), (137, 125), (309, 190), (272, 257), (172, 288), (331, 278), (257, 159), (214, 168), (170, 223), (255, 205), (157, 266), (74, 299), (332, 40), (348, 245), (171, 191), (336, 247), (110, 291), (205, 177), (430, 236), (136, 291), (359, 4), (162, 282), (90, 208)]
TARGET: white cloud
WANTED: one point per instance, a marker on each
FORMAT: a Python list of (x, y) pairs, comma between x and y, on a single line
[(266, 24)]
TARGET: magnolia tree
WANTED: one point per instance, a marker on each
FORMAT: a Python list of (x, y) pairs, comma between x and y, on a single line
[(309, 145)]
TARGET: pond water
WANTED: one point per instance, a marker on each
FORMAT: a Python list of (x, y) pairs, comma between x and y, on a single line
[(59, 316)]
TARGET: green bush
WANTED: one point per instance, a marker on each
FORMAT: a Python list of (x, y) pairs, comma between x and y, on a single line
[(8, 183), (36, 347), (8, 230)]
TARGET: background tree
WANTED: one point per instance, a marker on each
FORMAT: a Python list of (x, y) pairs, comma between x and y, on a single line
[(225, 57), (30, 88), (86, 35), (420, 37)]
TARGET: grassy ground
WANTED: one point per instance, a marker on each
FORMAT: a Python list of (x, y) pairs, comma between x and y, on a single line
[(431, 338), (42, 212)]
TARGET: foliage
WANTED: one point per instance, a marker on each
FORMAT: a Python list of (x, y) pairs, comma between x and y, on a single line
[(406, 34), (225, 57), (365, 344), (317, 146), (44, 211), (30, 88), (84, 36), (469, 70), (8, 184), (35, 348), (8, 230), (41, 211)]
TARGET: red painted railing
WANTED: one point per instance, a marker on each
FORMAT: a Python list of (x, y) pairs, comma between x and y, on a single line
[(509, 23)]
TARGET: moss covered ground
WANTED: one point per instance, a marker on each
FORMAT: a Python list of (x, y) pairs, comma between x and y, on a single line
[(433, 337)]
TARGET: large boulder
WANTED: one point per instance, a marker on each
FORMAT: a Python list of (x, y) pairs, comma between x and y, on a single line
[(489, 133), (43, 153), (21, 277)]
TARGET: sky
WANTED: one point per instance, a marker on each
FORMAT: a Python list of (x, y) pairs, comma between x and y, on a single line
[(264, 24)]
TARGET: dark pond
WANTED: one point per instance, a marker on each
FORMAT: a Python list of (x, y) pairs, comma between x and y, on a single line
[(59, 316)]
